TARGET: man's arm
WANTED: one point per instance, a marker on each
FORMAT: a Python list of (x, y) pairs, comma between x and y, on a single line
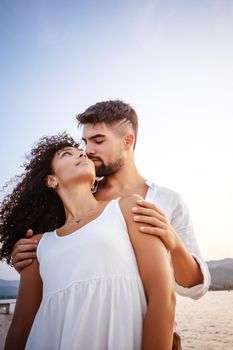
[(24, 251), (190, 271), (156, 275), (28, 302)]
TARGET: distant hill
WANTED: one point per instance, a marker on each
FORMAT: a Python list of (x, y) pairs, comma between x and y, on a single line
[(8, 289), (221, 272)]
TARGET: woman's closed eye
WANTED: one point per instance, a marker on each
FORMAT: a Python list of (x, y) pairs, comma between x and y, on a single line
[(65, 153)]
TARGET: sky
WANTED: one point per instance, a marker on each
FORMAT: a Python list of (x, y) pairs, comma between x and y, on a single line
[(171, 60)]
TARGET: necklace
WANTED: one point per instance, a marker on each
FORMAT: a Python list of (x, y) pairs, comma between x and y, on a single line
[(77, 220)]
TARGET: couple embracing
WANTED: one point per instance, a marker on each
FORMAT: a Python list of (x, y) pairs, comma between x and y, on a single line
[(99, 267)]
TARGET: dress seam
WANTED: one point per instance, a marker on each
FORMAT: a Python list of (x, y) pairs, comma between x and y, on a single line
[(101, 278)]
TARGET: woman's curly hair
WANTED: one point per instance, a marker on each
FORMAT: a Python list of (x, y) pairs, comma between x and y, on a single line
[(32, 204)]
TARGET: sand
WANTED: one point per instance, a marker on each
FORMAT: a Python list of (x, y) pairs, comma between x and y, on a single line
[(5, 321)]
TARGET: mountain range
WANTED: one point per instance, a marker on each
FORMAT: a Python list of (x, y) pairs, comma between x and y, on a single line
[(221, 272), (8, 289)]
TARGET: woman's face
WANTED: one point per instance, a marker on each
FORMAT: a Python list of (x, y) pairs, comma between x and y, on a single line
[(71, 165)]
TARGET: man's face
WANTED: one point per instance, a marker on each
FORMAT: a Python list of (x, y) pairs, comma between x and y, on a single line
[(104, 147)]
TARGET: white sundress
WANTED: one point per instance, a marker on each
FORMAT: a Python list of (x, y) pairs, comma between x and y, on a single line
[(93, 297)]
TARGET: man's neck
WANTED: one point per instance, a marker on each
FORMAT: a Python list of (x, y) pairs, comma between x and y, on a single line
[(124, 182)]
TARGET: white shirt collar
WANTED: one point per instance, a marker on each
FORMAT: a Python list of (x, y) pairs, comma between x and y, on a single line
[(152, 191)]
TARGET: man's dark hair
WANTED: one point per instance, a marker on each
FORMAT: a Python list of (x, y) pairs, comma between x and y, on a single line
[(110, 113)]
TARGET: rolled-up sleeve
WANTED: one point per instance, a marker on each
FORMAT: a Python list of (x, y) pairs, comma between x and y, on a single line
[(199, 290), (182, 223)]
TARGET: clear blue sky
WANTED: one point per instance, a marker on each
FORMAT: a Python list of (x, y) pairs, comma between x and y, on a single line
[(172, 60)]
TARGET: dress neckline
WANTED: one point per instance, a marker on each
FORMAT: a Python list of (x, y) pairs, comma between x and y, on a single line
[(85, 225)]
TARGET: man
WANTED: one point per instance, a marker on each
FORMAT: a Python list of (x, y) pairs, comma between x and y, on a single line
[(110, 133)]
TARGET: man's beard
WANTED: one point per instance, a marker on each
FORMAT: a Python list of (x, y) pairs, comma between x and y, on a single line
[(109, 169)]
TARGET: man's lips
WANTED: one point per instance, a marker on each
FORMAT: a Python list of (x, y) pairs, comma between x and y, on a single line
[(95, 159)]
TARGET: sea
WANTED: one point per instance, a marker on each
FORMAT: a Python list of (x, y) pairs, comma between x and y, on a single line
[(204, 324)]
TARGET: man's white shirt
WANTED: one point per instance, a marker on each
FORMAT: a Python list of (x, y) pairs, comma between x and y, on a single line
[(175, 209)]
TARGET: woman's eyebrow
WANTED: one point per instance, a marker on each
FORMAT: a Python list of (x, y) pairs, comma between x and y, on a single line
[(64, 149)]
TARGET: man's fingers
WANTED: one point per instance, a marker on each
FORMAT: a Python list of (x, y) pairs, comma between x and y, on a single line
[(148, 212), (29, 233), (20, 248), (21, 264), (152, 231), (149, 205), (23, 256), (25, 241), (149, 220)]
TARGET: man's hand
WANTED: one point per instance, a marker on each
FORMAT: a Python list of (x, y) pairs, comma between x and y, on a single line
[(24, 251), (187, 271), (148, 213)]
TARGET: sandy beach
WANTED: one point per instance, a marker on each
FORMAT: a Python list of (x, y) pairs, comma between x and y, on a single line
[(4, 325)]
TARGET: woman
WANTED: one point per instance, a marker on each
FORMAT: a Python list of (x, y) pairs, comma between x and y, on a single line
[(84, 290)]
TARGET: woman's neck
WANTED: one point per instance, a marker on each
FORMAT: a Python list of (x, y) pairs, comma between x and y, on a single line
[(77, 201)]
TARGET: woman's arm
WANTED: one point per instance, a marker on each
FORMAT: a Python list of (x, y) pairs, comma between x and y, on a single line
[(28, 302), (192, 278), (156, 275)]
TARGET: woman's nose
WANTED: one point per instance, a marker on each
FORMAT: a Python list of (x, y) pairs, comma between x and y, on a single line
[(83, 154)]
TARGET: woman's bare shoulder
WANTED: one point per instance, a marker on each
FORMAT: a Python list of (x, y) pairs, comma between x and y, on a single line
[(129, 200)]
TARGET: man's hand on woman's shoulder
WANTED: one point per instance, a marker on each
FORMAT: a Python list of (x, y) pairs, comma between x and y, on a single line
[(24, 251)]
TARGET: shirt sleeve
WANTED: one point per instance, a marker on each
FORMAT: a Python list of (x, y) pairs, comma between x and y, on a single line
[(182, 224)]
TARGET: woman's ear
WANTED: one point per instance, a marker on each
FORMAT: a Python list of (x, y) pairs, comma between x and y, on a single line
[(51, 181), (128, 141)]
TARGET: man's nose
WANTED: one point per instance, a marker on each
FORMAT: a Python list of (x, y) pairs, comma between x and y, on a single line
[(89, 150)]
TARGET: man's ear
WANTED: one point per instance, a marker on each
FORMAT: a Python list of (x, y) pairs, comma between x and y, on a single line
[(128, 141), (51, 181)]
